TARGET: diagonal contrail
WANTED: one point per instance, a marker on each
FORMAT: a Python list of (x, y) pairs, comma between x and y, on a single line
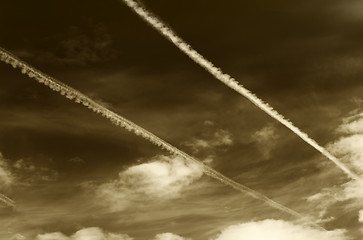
[(116, 119), (6, 200), (162, 28)]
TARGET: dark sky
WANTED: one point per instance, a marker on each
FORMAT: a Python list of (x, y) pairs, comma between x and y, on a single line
[(69, 169)]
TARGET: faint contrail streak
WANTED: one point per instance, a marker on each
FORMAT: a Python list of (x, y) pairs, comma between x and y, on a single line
[(6, 200), (162, 28), (116, 119)]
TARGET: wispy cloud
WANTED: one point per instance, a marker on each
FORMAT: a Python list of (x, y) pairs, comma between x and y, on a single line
[(18, 236), (120, 121), (167, 32), (277, 230), (266, 139), (210, 141), (28, 173), (77, 47), (349, 148), (162, 178), (6, 177), (6, 180)]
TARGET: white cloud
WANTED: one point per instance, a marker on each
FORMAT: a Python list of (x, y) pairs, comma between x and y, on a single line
[(277, 230), (162, 178), (6, 178), (92, 233), (52, 236), (348, 148), (169, 236), (360, 217)]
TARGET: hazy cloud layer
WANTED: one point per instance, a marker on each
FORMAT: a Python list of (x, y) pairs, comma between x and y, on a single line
[(163, 178)]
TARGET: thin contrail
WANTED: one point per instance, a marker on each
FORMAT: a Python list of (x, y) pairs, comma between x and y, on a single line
[(162, 28), (116, 119), (7, 200)]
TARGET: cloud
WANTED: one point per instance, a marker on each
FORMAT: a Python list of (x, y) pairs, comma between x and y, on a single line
[(163, 178), (277, 230), (6, 177), (219, 138), (348, 148), (27, 172), (360, 219), (169, 236), (92, 233), (76, 47), (209, 142), (52, 236), (266, 139), (18, 236)]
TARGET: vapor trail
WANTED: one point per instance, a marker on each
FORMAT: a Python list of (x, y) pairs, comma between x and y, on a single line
[(229, 81), (116, 119), (6, 200)]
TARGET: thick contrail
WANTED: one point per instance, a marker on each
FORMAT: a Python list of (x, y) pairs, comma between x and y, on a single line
[(116, 119), (6, 200), (229, 81)]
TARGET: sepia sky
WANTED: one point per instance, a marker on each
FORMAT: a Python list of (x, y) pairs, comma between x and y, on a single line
[(75, 176)]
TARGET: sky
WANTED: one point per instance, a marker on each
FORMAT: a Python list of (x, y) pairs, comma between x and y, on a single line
[(75, 176)]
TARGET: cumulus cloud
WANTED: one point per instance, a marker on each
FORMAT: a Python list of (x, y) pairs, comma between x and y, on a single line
[(6, 177), (52, 236), (92, 233), (164, 177), (277, 230), (169, 236)]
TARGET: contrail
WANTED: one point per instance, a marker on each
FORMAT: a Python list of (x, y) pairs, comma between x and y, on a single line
[(116, 119), (162, 28), (7, 200)]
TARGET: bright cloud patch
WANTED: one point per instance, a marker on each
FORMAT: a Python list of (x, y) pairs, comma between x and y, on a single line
[(92, 233), (360, 217), (349, 149), (6, 178), (162, 178), (168, 236), (277, 230)]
